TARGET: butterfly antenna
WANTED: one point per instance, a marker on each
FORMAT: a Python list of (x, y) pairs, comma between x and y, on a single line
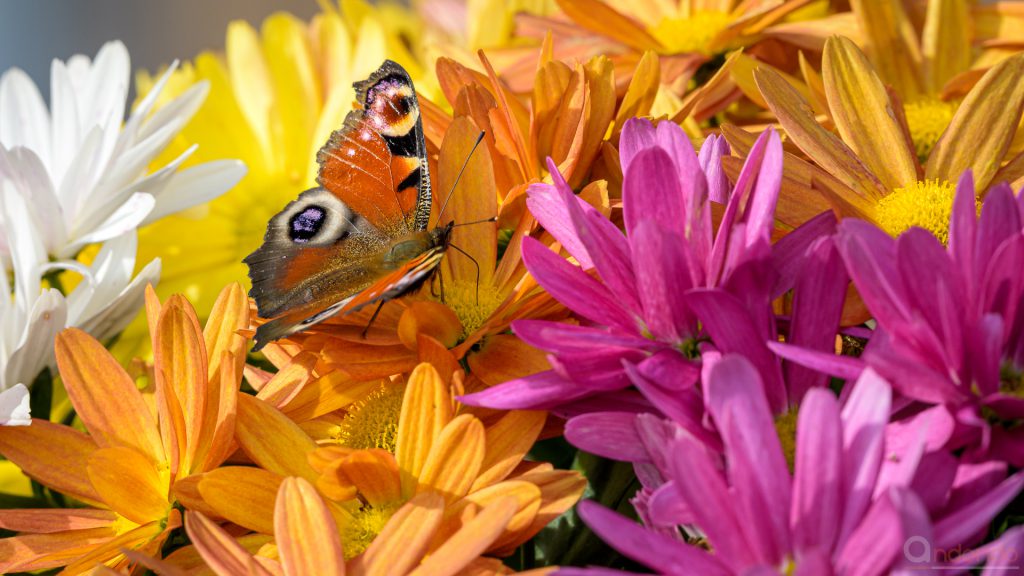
[(479, 138), (475, 263)]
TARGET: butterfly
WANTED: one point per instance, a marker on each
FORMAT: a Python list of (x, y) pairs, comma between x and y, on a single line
[(360, 237)]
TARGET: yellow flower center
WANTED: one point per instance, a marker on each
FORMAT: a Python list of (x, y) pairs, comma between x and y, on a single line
[(927, 204), (366, 524), (927, 119), (785, 427), (692, 34), (373, 421), (471, 304)]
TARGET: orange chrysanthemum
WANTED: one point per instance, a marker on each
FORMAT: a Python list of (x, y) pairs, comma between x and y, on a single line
[(140, 446)]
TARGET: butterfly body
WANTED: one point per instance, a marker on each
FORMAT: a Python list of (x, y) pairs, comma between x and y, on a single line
[(361, 236)]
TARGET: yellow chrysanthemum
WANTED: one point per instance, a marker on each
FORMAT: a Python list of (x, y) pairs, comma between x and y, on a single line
[(275, 96)]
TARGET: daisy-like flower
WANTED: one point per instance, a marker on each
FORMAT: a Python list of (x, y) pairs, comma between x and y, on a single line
[(308, 541), (685, 34), (435, 449), (835, 513), (950, 325), (639, 323), (85, 176), (275, 95), (138, 449), (871, 169)]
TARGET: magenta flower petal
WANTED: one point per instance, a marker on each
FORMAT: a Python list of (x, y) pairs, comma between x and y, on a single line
[(568, 338), (878, 540), (817, 307), (757, 469), (661, 273), (865, 415), (547, 205), (845, 367), (649, 192), (966, 522), (637, 134), (710, 158), (963, 225), (759, 213), (667, 507), (870, 257), (664, 554), (1000, 219), (930, 281), (535, 392), (732, 331), (683, 406), (574, 287), (787, 254), (817, 499), (609, 434)]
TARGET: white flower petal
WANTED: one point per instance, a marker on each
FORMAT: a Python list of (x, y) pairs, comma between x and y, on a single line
[(127, 217), (105, 93), (27, 252), (81, 175), (181, 109), (14, 406), (35, 347), (66, 134), (141, 112), (197, 185), (28, 174), (24, 120), (117, 313), (109, 274)]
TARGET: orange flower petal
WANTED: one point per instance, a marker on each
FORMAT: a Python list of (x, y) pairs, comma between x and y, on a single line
[(272, 440), (111, 550), (455, 458), (819, 144), (129, 483), (104, 396), (946, 42), (404, 540), (472, 540), (431, 318), (426, 409), (527, 498), (505, 357), (473, 200), (375, 474), (30, 552), (325, 395), (230, 314), (219, 549), (54, 455), (180, 364), (643, 88), (218, 433), (983, 127), (242, 495), (559, 489), (48, 520), (506, 443), (599, 17), (307, 537), (283, 386), (864, 115)]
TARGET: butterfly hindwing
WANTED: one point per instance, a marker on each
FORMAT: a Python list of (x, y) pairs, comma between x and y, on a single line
[(359, 237)]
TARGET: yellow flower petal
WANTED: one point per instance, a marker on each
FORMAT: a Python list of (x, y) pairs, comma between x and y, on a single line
[(864, 115), (307, 537), (230, 314), (819, 144), (455, 458), (30, 552), (526, 496), (104, 396), (426, 409), (272, 440), (375, 474), (403, 542), (983, 127), (643, 88), (892, 43), (601, 18), (129, 483), (946, 42)]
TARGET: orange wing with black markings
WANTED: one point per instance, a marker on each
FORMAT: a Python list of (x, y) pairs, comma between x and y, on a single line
[(359, 237)]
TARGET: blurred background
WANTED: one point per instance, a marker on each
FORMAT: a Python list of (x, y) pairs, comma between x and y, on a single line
[(34, 32)]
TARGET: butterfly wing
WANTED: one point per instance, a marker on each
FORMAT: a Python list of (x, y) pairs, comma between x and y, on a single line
[(333, 242)]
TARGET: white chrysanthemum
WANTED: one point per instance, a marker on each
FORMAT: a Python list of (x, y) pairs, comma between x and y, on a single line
[(78, 178), (85, 176)]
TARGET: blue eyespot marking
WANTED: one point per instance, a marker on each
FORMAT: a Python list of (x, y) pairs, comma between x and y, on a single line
[(305, 225)]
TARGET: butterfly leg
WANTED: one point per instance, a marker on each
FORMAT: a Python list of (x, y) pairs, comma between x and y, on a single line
[(475, 263), (440, 282), (372, 318)]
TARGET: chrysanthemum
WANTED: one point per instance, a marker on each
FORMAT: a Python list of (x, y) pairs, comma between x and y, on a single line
[(837, 512), (138, 449), (871, 169), (435, 447), (274, 97), (951, 319), (639, 324), (308, 540)]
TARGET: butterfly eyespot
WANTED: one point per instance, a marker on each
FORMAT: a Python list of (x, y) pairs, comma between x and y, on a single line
[(305, 225)]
